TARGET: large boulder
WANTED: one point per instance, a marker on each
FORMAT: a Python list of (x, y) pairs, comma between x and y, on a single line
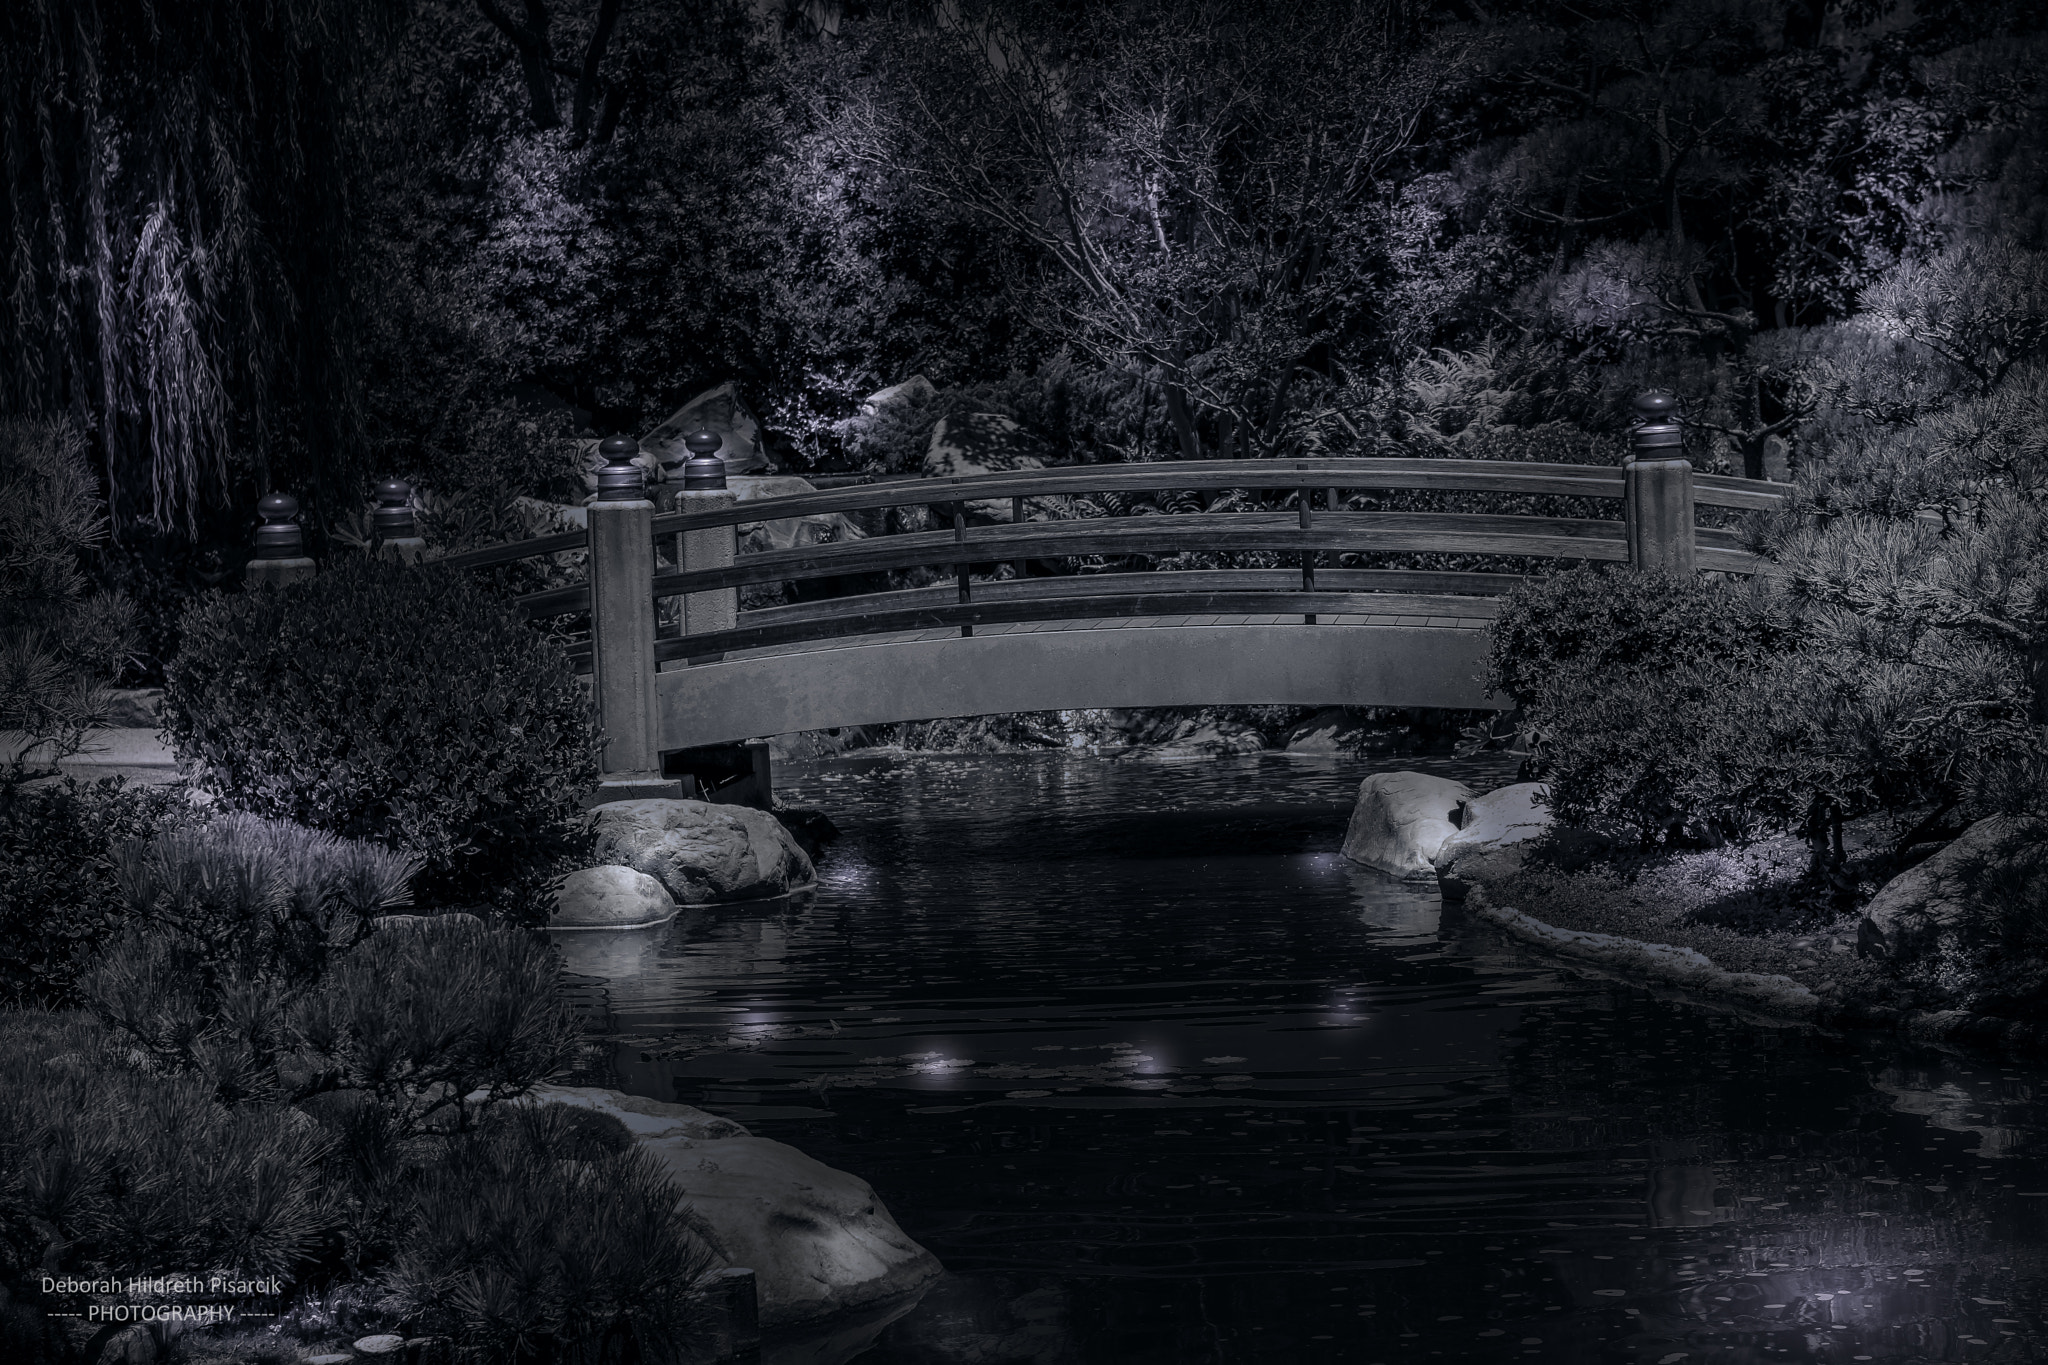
[(1958, 899), (1400, 820), (787, 533), (1331, 731), (1495, 833), (134, 708), (611, 897), (702, 852), (916, 389), (720, 410), (983, 443), (819, 1242)]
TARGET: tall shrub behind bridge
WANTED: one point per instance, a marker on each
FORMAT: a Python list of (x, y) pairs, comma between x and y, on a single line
[(405, 704)]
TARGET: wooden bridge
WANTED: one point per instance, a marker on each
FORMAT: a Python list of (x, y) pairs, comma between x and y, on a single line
[(980, 644)]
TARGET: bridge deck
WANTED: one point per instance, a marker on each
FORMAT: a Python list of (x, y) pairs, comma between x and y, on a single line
[(1209, 659)]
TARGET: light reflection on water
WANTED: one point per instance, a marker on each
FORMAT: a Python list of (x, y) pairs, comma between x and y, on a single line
[(1158, 1077)]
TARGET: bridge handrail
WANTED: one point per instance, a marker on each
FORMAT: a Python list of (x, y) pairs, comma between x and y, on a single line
[(1478, 476), (1401, 592), (1338, 532)]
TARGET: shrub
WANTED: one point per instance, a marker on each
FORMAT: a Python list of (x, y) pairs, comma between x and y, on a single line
[(58, 646), (416, 1019), (544, 1237), (106, 1168), (61, 900), (1604, 621), (404, 704)]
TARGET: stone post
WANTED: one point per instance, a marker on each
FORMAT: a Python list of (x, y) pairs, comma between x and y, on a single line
[(1657, 502), (280, 545), (622, 626), (395, 535), (713, 547)]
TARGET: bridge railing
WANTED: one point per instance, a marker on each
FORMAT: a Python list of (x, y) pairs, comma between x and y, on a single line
[(1657, 490)]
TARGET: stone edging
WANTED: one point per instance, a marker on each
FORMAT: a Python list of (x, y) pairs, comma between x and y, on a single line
[(1778, 998)]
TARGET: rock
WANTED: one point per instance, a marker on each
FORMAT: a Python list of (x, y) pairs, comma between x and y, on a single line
[(129, 1346), (134, 708), (1950, 902), (1400, 820), (818, 1240), (611, 898), (589, 461), (982, 443), (788, 533), (916, 389), (1495, 833), (1195, 738), (1634, 960), (331, 1358), (702, 852), (548, 518), (1332, 730), (383, 1344), (721, 410)]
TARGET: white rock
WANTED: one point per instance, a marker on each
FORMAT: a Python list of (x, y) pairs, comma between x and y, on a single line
[(1941, 902), (1400, 820), (1494, 834), (720, 410), (787, 533), (983, 443), (818, 1240), (611, 898), (703, 852), (383, 1344), (1332, 730), (916, 389)]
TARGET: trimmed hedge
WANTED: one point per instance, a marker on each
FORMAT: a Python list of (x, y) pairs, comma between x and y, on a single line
[(401, 703)]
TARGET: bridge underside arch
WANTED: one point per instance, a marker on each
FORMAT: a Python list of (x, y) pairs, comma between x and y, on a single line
[(1071, 668)]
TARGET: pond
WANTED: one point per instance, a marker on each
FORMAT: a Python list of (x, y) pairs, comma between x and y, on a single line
[(1159, 1077)]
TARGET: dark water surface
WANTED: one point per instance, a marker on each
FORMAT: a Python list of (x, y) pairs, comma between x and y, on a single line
[(1159, 1077)]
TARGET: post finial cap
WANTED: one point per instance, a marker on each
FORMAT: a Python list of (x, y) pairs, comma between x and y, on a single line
[(1656, 408), (620, 480)]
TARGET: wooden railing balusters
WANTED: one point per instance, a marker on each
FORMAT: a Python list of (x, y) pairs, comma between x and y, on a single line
[(960, 538)]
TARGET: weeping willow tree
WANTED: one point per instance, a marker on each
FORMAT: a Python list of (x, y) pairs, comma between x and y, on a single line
[(173, 217)]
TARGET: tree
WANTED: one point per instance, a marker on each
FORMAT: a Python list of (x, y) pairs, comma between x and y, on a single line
[(1192, 178), (165, 171), (595, 102), (59, 646)]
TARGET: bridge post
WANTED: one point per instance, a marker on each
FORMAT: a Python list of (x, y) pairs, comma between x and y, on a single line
[(622, 626), (1657, 495), (959, 537), (713, 547), (280, 545), (393, 531)]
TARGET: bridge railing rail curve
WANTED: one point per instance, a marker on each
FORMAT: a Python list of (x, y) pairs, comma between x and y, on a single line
[(1657, 489)]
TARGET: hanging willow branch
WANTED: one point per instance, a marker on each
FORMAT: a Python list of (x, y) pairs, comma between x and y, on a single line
[(172, 216)]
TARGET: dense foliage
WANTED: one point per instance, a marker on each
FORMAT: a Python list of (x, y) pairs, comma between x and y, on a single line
[(405, 704), (60, 901), (276, 1077), (59, 644)]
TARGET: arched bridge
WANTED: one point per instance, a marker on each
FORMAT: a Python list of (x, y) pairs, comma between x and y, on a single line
[(1026, 638)]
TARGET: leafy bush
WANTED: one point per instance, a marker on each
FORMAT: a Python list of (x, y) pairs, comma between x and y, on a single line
[(1604, 621), (546, 1237), (404, 704), (58, 646), (61, 898)]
